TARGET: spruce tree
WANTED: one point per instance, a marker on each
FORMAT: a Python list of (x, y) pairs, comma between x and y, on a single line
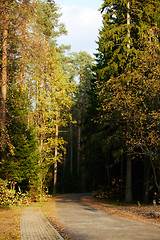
[(22, 163), (129, 34)]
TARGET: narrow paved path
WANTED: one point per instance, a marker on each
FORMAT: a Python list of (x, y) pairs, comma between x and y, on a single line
[(86, 223), (34, 226)]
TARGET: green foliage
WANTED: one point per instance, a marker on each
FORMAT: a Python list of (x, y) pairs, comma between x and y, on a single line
[(22, 162), (39, 94), (115, 55), (10, 197), (126, 120), (48, 20)]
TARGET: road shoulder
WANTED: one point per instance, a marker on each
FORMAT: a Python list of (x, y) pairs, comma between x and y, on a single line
[(133, 212)]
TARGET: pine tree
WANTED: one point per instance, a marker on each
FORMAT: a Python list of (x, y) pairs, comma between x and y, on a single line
[(51, 89), (34, 66), (4, 19), (12, 15)]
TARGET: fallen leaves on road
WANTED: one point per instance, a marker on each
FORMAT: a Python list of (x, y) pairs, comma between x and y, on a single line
[(134, 212)]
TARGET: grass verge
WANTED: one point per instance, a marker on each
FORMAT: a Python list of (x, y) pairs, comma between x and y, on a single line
[(10, 223)]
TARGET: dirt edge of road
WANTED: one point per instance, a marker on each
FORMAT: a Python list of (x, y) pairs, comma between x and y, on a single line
[(133, 212)]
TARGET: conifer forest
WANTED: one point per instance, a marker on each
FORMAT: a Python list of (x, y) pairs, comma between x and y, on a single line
[(71, 122)]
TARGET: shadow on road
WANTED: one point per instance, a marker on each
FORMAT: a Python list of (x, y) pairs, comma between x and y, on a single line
[(76, 198)]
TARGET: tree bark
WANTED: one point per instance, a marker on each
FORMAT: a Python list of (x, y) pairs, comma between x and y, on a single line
[(79, 145), (71, 149), (56, 154), (155, 175), (128, 25), (146, 181), (21, 72), (4, 77), (79, 133), (108, 175), (23, 43), (128, 192)]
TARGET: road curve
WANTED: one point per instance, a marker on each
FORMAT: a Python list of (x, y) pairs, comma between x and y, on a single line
[(86, 223)]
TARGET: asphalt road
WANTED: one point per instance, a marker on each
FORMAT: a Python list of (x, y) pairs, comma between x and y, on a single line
[(86, 223)]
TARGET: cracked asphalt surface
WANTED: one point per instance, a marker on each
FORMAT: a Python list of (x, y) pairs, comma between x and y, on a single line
[(84, 222)]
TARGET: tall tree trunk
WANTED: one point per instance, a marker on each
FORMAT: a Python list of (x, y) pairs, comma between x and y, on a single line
[(79, 144), (154, 174), (4, 78), (56, 154), (128, 25), (147, 169), (55, 174), (23, 32), (22, 68), (79, 133), (128, 191), (108, 175), (21, 73), (71, 149)]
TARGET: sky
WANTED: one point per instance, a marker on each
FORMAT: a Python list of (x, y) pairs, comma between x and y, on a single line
[(83, 21)]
